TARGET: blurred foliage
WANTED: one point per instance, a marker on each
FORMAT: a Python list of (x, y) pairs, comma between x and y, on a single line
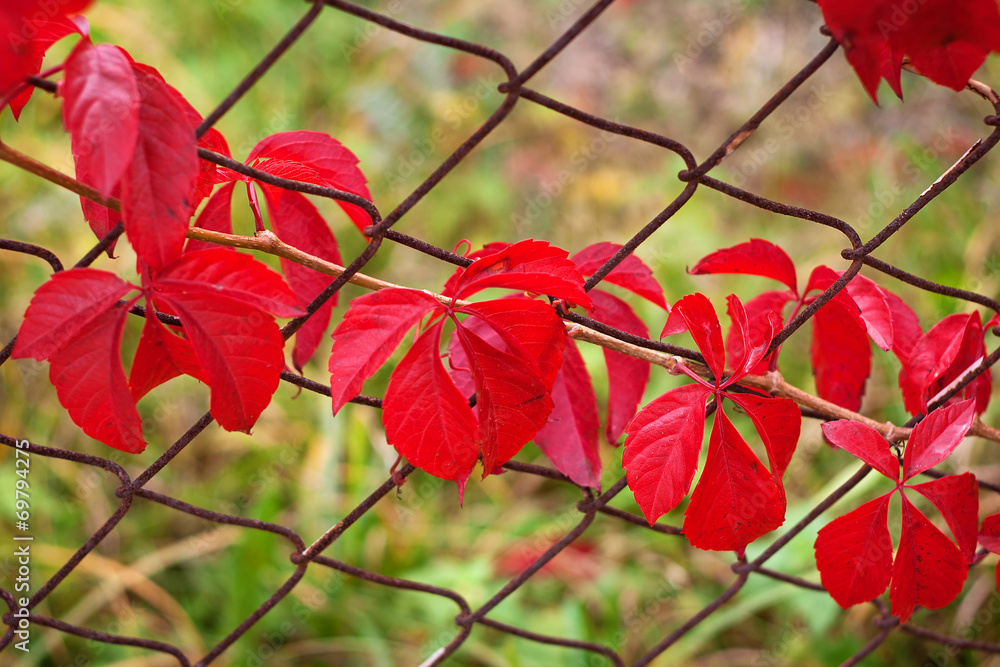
[(693, 71)]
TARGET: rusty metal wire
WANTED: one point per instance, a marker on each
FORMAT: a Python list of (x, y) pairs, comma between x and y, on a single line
[(591, 505)]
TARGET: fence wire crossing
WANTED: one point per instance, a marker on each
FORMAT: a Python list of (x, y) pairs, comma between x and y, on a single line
[(695, 175)]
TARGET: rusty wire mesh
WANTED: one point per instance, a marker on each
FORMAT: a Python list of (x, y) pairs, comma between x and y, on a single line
[(592, 504)]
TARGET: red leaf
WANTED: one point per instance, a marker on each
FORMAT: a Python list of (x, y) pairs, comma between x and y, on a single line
[(756, 257), (989, 535), (696, 315), (854, 553), (855, 25), (161, 356), (632, 273), (21, 55), (65, 306), (628, 375), (864, 442), (529, 265), (841, 356), (957, 498), (906, 330), (936, 437), (425, 417), (569, 438), (217, 216), (297, 222), (950, 348), (336, 166), (372, 328), (761, 311), (158, 185), (736, 500), (239, 349), (209, 174), (778, 421), (929, 357), (944, 43), (513, 400), (100, 218), (928, 570), (532, 325), (753, 342), (101, 112), (874, 307), (90, 381), (47, 32), (232, 275), (661, 450), (947, 46)]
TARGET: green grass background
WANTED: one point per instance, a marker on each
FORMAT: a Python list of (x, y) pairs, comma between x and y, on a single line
[(693, 71)]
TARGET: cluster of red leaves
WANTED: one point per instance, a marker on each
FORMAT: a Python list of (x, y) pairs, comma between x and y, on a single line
[(514, 375), (510, 347), (737, 499), (840, 352), (133, 138), (945, 40), (30, 27), (570, 437), (312, 157), (854, 552), (529, 381)]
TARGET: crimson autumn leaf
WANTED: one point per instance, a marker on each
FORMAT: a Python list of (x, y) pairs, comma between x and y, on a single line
[(229, 340), (854, 552), (945, 40), (101, 112), (334, 165), (989, 537), (297, 222), (208, 173), (840, 353), (737, 499), (426, 416), (91, 385), (569, 438), (30, 27), (371, 330), (628, 375), (312, 157), (631, 273), (527, 265), (162, 355), (159, 182), (948, 350), (511, 348), (513, 399)]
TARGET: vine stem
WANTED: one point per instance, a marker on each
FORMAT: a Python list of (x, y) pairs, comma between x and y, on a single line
[(266, 242)]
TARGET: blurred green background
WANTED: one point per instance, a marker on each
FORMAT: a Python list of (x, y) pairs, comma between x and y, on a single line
[(693, 71)]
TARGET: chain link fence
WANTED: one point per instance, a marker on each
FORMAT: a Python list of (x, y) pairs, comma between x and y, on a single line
[(308, 551)]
